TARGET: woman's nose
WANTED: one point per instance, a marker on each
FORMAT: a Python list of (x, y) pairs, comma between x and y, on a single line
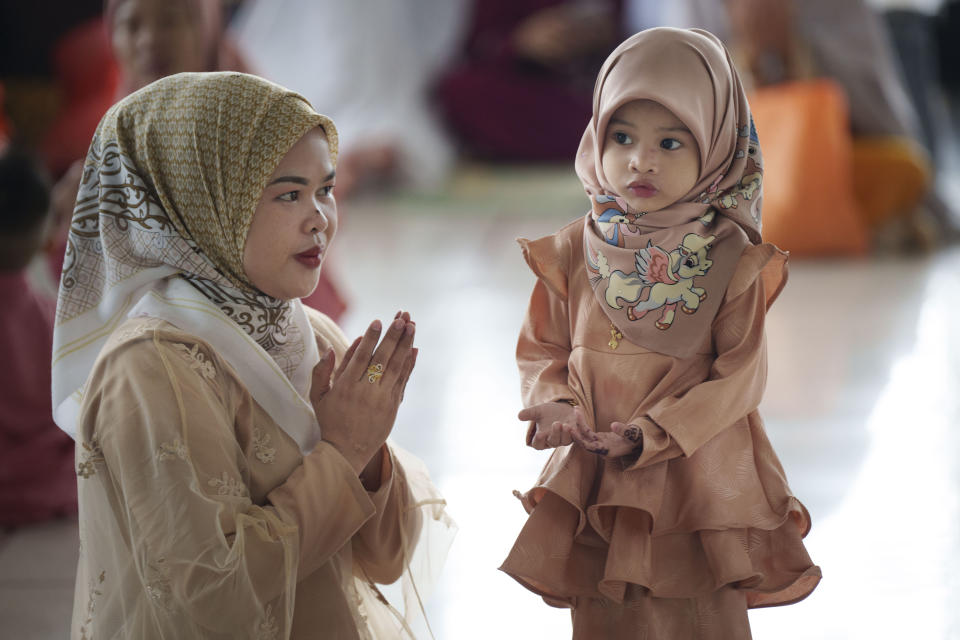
[(318, 221)]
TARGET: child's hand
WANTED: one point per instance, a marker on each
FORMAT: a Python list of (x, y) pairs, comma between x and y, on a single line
[(621, 440), (552, 424)]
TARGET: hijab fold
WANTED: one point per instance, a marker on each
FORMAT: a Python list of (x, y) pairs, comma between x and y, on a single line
[(660, 276), (169, 187)]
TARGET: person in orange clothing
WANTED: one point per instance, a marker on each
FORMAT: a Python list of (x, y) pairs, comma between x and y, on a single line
[(663, 511), (138, 42), (827, 61)]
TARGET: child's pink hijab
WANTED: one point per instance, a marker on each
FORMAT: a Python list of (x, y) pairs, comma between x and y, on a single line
[(643, 266)]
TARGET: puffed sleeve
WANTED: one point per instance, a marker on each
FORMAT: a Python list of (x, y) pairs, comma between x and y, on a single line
[(162, 415), (543, 349), (680, 424)]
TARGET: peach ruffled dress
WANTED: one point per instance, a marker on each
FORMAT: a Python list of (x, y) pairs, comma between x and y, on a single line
[(705, 510)]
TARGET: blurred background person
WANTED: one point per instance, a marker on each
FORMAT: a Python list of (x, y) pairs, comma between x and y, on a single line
[(521, 87), (369, 67), (779, 43), (135, 43), (37, 479)]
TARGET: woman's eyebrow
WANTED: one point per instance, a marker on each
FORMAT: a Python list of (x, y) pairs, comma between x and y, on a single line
[(622, 123), (294, 179), (299, 180), (677, 128)]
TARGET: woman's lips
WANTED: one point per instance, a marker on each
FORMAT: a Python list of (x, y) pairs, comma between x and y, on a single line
[(642, 189), (311, 257)]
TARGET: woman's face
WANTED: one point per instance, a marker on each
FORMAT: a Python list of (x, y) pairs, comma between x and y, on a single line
[(649, 156), (156, 38), (294, 222)]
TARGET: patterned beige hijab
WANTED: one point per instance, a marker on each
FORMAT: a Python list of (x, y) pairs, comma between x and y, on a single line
[(171, 182), (660, 276)]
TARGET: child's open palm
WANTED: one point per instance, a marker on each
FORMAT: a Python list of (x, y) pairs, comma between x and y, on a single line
[(621, 440), (556, 424), (552, 424)]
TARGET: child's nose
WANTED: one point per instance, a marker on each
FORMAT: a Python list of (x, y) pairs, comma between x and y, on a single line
[(644, 160)]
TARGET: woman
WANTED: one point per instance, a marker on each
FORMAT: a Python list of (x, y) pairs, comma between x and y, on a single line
[(231, 483)]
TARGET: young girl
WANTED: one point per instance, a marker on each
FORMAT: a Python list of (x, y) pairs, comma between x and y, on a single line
[(663, 511)]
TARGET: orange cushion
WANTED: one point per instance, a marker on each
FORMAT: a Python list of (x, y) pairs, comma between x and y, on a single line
[(809, 206)]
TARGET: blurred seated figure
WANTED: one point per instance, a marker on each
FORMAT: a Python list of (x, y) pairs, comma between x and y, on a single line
[(369, 65), (523, 86), (910, 24), (86, 76), (37, 478), (136, 43), (786, 41)]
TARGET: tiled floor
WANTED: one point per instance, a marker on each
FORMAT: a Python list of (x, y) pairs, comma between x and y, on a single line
[(863, 405)]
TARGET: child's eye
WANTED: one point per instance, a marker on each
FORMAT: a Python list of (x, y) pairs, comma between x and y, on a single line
[(671, 144), (289, 196), (622, 138)]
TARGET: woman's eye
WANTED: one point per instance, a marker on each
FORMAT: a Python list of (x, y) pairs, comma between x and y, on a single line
[(289, 196), (671, 144), (621, 138), (325, 191)]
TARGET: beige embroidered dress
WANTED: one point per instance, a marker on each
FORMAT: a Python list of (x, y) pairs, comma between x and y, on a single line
[(201, 517), (210, 506), (679, 542)]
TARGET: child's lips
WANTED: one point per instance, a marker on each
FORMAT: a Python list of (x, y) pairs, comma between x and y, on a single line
[(642, 189)]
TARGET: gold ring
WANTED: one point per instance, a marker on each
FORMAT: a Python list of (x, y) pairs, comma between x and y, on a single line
[(374, 373)]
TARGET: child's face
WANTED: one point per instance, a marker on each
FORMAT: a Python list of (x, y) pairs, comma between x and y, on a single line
[(649, 156)]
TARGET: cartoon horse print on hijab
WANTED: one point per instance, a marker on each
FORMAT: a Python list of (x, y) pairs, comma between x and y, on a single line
[(662, 279), (748, 185)]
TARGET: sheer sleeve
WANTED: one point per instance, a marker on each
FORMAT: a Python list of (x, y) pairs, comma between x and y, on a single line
[(214, 563), (679, 425)]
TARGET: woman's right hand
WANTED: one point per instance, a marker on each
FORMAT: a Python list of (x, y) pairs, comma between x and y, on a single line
[(357, 408)]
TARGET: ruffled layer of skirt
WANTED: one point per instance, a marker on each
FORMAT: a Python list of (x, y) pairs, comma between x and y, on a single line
[(679, 529)]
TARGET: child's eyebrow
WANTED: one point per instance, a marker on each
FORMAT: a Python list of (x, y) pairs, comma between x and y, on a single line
[(620, 122), (678, 128)]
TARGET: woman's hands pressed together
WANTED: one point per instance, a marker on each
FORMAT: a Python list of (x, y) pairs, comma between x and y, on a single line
[(556, 424), (356, 408)]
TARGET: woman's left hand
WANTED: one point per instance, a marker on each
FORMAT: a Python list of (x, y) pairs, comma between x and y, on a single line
[(621, 440)]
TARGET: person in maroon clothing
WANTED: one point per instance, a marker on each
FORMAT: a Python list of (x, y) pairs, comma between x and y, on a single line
[(523, 87), (37, 480)]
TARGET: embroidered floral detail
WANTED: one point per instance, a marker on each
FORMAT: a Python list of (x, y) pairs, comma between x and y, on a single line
[(198, 360), (268, 629), (169, 450), (90, 456), (94, 592), (158, 586), (227, 486), (129, 333), (263, 453)]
